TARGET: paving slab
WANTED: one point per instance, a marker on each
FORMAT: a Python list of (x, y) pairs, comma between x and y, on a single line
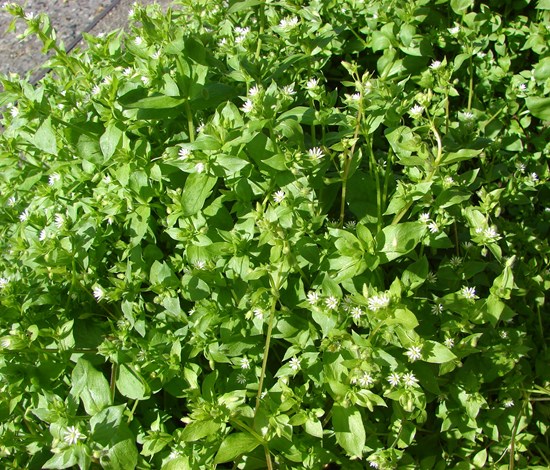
[(69, 18)]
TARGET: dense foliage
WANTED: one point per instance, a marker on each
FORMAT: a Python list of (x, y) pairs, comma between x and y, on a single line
[(280, 234)]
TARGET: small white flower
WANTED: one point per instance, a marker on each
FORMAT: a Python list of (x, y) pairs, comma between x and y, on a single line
[(156, 55), (469, 293), (448, 181), (145, 80), (522, 87), (454, 30), (107, 80), (534, 177), (366, 380), (96, 90), (241, 378), (11, 201), (312, 83), (503, 334), (245, 363), (247, 107), (59, 220), (521, 167), (449, 342), (200, 128), (294, 363), (414, 353), (356, 313), (138, 41), (54, 178), (3, 282), (437, 309), (431, 278), (288, 90), (199, 167), (455, 261), (355, 97), (128, 71), (377, 302), (468, 116), (433, 228), (242, 31), (409, 380), (467, 245), (253, 91), (316, 153), (30, 16), (14, 111), (394, 379), (200, 264), (42, 235), (288, 22), (184, 153), (436, 65), (424, 218), (490, 233), (508, 403), (312, 297), (222, 42), (373, 464), (73, 435), (24, 215), (367, 88), (350, 224), (258, 313), (331, 302), (279, 196), (98, 293), (416, 111), (481, 54)]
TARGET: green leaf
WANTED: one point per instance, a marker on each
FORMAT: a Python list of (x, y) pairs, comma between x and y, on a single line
[(301, 114), (91, 387), (131, 384), (198, 187), (44, 139), (436, 353), (460, 6), (121, 453), (199, 429), (179, 463), (460, 155), (397, 240), (235, 445), (109, 141), (539, 107), (105, 424), (314, 427), (156, 102), (161, 275), (349, 429)]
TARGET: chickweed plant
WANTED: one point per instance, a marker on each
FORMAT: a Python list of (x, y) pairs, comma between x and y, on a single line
[(280, 234)]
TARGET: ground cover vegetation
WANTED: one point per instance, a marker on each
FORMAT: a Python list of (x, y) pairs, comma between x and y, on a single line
[(280, 234)]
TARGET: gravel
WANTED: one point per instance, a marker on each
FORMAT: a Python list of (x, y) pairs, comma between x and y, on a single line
[(69, 18)]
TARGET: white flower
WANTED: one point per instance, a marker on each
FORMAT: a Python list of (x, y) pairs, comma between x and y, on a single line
[(258, 313), (184, 153), (454, 30), (448, 181), (245, 363), (508, 403), (373, 464), (409, 379), (253, 91), (294, 363), (367, 88), (241, 378), (437, 309), (534, 177), (138, 41), (503, 334), (14, 111), (200, 127), (416, 111), (289, 90), (222, 42), (366, 380), (156, 55), (247, 107), (431, 278), (424, 218), (312, 83), (54, 178), (377, 302), (316, 153), (3, 282), (436, 64), (98, 293), (468, 116), (145, 80), (24, 215), (520, 167), (30, 16), (200, 264), (356, 313), (96, 90), (469, 293), (312, 297), (522, 87), (350, 224), (433, 227), (279, 196), (449, 342), (127, 71), (42, 235), (455, 261), (11, 201), (107, 80), (490, 233), (481, 54), (199, 167), (355, 97), (59, 220), (414, 353), (288, 22), (394, 379), (72, 435), (331, 302)]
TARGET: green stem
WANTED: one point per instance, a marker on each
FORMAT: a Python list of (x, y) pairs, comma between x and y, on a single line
[(471, 85), (190, 125), (262, 25)]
